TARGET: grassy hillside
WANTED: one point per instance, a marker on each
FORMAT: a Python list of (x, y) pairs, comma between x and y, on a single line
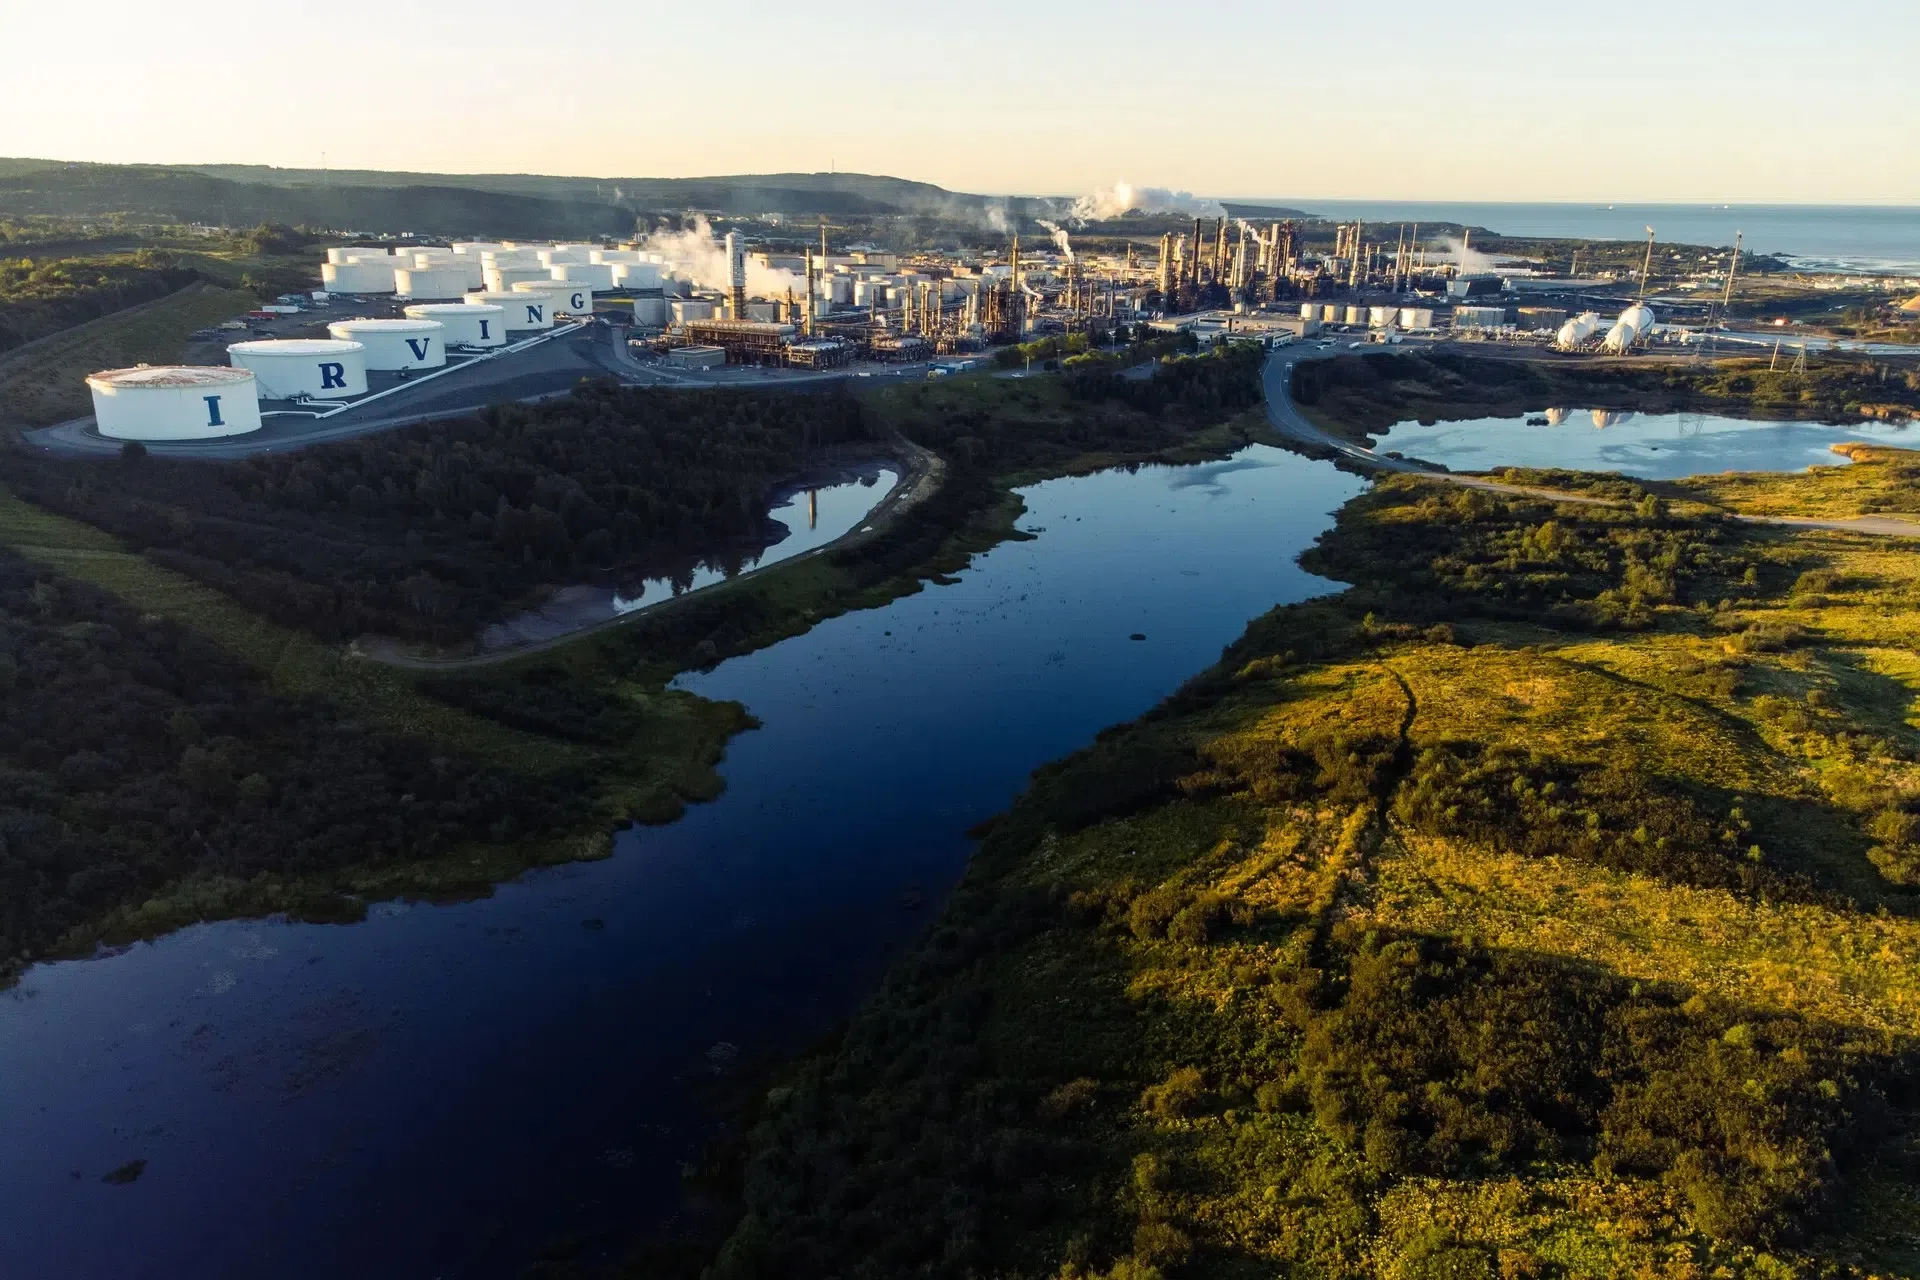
[(1542, 906), (519, 205)]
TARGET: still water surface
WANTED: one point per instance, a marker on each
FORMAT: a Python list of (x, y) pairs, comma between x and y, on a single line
[(1652, 446), (443, 1089)]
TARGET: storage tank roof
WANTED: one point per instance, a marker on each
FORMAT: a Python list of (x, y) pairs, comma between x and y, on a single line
[(384, 326), (298, 347), (452, 308), (171, 375)]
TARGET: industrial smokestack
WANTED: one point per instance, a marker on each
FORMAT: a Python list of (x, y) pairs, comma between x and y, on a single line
[(736, 275)]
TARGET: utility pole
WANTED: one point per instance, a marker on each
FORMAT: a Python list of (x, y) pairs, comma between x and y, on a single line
[(1646, 268), (1726, 296)]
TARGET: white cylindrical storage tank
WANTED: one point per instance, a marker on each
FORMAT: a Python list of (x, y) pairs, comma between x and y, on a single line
[(396, 344), (1618, 339), (467, 324), (525, 312), (1309, 311), (348, 252), (1578, 330), (686, 309), (595, 275), (636, 275), (1555, 417), (378, 257), (356, 277), (474, 248), (1640, 317), (430, 282), (303, 368), (1356, 315), (1329, 313), (842, 291), (174, 402), (613, 257), (502, 279), (561, 254), (433, 257), (651, 312), (568, 296), (1416, 317), (1381, 317)]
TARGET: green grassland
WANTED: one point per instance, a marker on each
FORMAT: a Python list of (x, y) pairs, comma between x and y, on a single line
[(47, 383), (1542, 906)]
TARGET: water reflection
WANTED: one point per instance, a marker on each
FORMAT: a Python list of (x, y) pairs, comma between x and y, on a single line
[(1653, 446)]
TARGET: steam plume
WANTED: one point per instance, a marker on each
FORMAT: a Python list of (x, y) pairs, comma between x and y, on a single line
[(1060, 238), (702, 259), (1111, 202)]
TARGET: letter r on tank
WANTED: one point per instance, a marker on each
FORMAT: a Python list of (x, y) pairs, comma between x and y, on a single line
[(213, 411), (332, 374), (419, 347)]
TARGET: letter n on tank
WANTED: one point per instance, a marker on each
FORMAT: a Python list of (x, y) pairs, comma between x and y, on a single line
[(536, 315)]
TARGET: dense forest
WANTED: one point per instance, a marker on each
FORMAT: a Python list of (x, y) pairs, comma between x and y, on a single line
[(1536, 908), (140, 757), (430, 532)]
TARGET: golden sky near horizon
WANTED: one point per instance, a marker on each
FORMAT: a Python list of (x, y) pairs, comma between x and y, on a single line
[(1483, 100)]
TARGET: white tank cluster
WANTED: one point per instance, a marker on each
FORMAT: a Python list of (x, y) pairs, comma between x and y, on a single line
[(1577, 331), (595, 275), (466, 325), (174, 402), (524, 313), (394, 345), (360, 275), (566, 296), (303, 368), (500, 277), (435, 281)]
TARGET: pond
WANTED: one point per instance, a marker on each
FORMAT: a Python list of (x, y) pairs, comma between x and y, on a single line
[(1651, 446)]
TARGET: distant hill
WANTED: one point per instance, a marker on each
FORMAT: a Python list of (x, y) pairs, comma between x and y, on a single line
[(522, 205)]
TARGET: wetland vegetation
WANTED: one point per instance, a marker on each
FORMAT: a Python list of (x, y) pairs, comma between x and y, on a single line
[(225, 754), (1542, 905)]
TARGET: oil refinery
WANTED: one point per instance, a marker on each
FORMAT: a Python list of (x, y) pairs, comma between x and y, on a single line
[(771, 296)]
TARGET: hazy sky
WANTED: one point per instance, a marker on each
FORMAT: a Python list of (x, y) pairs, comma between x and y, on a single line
[(1477, 99)]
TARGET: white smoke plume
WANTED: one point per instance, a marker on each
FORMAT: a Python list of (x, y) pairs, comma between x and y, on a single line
[(1111, 202), (1470, 261), (698, 256), (996, 215), (1061, 240)]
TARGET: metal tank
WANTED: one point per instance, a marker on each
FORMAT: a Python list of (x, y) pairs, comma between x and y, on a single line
[(651, 312), (1604, 418), (1381, 317), (174, 402), (1416, 317), (1578, 331), (1619, 339), (393, 345), (614, 257), (1309, 311), (502, 279), (595, 275), (1557, 416), (636, 275), (466, 324), (303, 368), (526, 313), (1638, 317), (430, 282), (348, 252), (568, 297), (356, 277)]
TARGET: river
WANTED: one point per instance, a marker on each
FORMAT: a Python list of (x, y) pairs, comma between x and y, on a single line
[(445, 1090), (442, 1090)]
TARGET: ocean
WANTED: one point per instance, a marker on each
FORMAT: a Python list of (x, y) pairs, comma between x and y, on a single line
[(1883, 238)]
